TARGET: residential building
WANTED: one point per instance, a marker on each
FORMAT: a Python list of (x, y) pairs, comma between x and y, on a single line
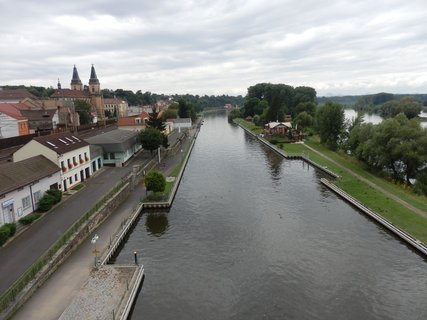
[(14, 95), (39, 120), (22, 184), (96, 157), (133, 123), (118, 146), (68, 152), (181, 123), (12, 122), (281, 128), (117, 107)]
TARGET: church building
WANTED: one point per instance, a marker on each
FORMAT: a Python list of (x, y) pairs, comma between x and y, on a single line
[(91, 93)]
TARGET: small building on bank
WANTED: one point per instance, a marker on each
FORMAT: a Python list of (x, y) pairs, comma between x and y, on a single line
[(23, 183), (118, 146), (279, 128), (181, 123)]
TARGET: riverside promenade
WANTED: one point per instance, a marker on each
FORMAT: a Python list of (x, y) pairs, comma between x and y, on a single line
[(56, 294)]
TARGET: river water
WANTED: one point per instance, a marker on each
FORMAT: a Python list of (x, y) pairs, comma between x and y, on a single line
[(373, 118), (253, 236)]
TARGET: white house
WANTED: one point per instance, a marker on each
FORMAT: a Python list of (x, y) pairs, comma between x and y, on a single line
[(182, 123), (12, 122), (22, 184), (68, 152)]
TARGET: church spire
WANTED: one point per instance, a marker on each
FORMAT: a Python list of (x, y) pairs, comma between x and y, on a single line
[(93, 78), (59, 84), (76, 83)]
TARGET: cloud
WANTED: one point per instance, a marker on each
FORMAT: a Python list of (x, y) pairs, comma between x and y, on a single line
[(216, 47)]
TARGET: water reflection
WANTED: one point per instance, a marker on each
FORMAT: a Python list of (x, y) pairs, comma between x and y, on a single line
[(274, 163), (157, 223)]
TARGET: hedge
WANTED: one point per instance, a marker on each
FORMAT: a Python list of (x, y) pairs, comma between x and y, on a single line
[(46, 202), (7, 231), (56, 194), (29, 218)]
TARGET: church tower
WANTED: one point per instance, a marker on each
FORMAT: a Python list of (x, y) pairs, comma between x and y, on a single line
[(94, 86), (96, 97), (76, 83)]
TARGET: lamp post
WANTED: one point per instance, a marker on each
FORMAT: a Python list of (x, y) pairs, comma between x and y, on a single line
[(94, 251)]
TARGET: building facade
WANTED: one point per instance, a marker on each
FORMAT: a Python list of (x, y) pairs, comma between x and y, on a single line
[(22, 184), (12, 122), (68, 152)]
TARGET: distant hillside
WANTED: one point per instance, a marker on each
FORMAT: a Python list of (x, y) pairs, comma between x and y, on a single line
[(351, 100)]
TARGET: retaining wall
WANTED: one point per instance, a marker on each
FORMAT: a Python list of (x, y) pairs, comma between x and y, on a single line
[(381, 220)]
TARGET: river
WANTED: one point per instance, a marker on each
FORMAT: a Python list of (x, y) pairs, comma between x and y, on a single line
[(373, 118), (253, 236)]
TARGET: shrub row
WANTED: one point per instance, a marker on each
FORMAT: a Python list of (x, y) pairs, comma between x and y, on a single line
[(7, 231), (29, 218), (51, 197)]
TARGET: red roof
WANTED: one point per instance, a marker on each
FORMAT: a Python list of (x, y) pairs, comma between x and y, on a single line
[(130, 121), (17, 94), (11, 110), (68, 93)]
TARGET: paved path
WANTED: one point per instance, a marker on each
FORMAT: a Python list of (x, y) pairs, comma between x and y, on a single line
[(56, 294), (372, 184)]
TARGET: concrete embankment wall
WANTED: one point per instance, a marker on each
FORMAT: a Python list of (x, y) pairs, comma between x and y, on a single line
[(381, 220), (286, 156)]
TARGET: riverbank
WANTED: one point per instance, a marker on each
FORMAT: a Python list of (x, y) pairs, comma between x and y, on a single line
[(367, 193)]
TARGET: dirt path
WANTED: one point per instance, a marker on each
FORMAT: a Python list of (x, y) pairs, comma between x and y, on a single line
[(372, 184)]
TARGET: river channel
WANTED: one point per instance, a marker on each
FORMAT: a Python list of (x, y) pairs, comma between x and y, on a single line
[(251, 235)]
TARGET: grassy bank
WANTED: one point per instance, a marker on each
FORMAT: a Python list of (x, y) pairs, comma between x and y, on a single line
[(390, 209)]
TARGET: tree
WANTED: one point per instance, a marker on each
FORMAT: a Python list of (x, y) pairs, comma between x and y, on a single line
[(155, 181), (169, 114), (303, 121), (410, 106), (330, 122), (154, 121), (151, 139), (83, 108), (183, 109)]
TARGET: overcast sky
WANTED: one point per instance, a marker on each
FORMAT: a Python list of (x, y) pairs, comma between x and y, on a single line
[(217, 47)]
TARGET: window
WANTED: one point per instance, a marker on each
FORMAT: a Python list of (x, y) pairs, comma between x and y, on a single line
[(76, 178), (37, 195), (70, 180), (112, 156), (26, 202), (105, 156), (69, 163)]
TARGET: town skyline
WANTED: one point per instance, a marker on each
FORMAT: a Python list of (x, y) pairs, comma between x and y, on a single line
[(218, 47)]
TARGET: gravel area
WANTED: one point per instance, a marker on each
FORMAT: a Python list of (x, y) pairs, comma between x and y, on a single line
[(105, 291)]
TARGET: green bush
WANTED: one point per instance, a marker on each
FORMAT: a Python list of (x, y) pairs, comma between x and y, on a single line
[(274, 141), (45, 203), (4, 235), (56, 194), (155, 181), (29, 218), (11, 227)]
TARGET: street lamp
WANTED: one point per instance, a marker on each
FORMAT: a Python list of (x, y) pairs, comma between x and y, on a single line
[(94, 251)]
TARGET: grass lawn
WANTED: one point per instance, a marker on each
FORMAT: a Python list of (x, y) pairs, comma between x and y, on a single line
[(249, 125), (390, 209)]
